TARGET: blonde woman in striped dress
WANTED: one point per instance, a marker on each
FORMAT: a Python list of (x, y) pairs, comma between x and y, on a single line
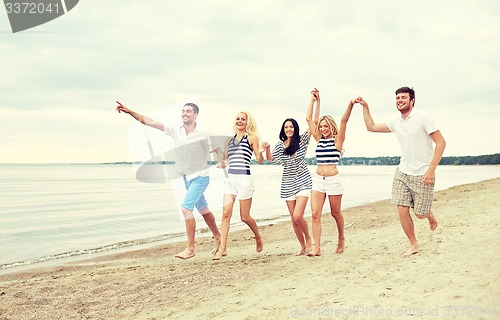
[(237, 156)]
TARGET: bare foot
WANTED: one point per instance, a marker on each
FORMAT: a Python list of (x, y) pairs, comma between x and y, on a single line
[(413, 250), (219, 254), (301, 252), (259, 244), (216, 245), (314, 252), (186, 254), (309, 245), (433, 222), (340, 246)]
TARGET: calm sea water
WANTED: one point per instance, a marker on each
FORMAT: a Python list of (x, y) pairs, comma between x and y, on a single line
[(63, 210)]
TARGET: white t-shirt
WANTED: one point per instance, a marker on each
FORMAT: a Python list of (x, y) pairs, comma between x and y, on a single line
[(191, 151), (417, 148)]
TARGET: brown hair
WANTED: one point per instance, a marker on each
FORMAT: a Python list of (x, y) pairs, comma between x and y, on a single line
[(408, 90)]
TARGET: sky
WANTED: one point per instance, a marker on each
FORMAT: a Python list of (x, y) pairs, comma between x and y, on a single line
[(59, 81)]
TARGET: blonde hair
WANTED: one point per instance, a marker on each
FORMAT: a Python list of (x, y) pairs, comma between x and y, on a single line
[(333, 126), (251, 124), (331, 123)]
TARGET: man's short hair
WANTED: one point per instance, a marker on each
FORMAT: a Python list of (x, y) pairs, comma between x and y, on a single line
[(194, 106), (408, 90)]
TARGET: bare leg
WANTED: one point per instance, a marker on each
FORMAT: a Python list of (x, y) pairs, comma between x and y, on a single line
[(298, 218), (317, 201), (335, 205), (408, 228), (227, 212), (209, 218), (298, 231), (250, 222), (190, 230), (433, 222)]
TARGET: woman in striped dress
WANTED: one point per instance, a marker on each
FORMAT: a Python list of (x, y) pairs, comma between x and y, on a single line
[(237, 155), (326, 181), (296, 182)]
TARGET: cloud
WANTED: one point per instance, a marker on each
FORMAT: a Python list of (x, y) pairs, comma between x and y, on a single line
[(262, 56)]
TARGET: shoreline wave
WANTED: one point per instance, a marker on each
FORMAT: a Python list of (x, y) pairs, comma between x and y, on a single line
[(167, 238)]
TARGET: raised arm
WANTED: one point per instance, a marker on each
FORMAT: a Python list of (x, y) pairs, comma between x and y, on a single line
[(340, 137), (141, 118), (369, 123), (313, 121)]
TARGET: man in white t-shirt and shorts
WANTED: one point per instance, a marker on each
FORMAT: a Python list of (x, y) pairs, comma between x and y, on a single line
[(191, 150), (413, 185)]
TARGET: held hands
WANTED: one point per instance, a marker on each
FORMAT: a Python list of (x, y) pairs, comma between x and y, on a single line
[(315, 94), (359, 100), (221, 164), (264, 146)]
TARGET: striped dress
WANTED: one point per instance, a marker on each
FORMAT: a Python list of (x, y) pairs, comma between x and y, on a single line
[(296, 176), (327, 152), (239, 155)]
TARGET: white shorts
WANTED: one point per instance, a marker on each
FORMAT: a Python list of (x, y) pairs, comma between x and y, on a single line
[(301, 193), (240, 185), (331, 185)]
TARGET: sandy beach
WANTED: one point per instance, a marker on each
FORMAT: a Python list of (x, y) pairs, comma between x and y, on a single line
[(455, 274)]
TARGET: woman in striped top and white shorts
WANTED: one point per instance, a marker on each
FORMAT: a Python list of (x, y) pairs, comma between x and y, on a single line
[(237, 155), (296, 182), (326, 181)]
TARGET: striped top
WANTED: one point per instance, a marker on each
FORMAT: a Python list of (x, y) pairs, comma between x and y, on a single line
[(326, 152), (239, 156), (296, 176)]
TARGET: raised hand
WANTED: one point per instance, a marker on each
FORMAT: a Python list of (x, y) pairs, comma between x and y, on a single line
[(121, 108), (363, 102), (315, 94), (359, 100)]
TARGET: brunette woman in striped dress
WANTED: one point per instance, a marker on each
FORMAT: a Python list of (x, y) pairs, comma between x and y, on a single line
[(296, 182)]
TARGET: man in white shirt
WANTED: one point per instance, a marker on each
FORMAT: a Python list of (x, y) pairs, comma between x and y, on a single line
[(191, 150), (413, 184)]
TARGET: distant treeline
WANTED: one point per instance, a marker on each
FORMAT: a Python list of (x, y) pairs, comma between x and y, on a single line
[(471, 160), (490, 159)]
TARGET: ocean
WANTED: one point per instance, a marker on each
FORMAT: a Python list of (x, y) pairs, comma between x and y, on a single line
[(55, 211)]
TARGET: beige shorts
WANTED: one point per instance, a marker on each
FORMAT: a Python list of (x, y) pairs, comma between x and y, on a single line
[(408, 191), (240, 185), (331, 185)]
